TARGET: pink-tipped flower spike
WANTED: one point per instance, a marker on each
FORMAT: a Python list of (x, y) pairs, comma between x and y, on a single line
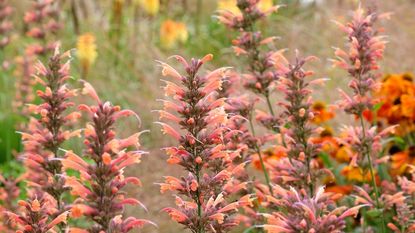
[(6, 25), (100, 187), (260, 76), (42, 25), (200, 150), (360, 59), (305, 213), (36, 213), (299, 169), (50, 128)]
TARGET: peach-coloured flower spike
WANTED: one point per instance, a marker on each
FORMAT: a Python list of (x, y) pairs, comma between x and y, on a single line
[(6, 25), (24, 83), (306, 213), (360, 59), (299, 169), (36, 215), (48, 130), (101, 198), (201, 150), (42, 24)]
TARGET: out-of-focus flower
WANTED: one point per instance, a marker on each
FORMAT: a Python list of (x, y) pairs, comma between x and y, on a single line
[(151, 7), (321, 113), (87, 52), (41, 22), (172, 32), (397, 95), (5, 24), (356, 174), (231, 6), (401, 161), (273, 153), (101, 182), (24, 84)]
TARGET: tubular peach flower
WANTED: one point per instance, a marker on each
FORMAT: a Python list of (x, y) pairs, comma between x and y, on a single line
[(201, 148), (86, 52), (102, 199)]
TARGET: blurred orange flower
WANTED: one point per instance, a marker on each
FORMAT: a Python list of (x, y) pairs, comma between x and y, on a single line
[(230, 5), (273, 153), (322, 114), (400, 161), (172, 32), (357, 174)]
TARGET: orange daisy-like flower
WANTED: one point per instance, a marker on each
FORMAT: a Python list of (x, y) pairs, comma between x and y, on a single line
[(322, 113), (402, 160), (273, 153), (397, 95), (356, 174)]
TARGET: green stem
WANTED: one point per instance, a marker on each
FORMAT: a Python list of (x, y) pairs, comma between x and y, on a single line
[(372, 173), (258, 150)]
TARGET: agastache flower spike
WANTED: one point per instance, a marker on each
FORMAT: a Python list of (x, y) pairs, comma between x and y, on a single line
[(42, 23), (102, 200), (201, 149), (46, 134), (306, 213), (261, 75), (300, 168), (365, 49), (35, 215), (5, 24)]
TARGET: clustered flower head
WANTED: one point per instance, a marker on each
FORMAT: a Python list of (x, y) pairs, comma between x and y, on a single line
[(86, 52), (301, 212), (99, 188), (201, 149), (49, 129), (42, 23), (36, 213), (5, 24)]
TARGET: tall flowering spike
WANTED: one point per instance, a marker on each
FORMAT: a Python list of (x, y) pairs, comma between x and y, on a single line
[(306, 213), (10, 192), (24, 84), (5, 24), (100, 187), (50, 127), (201, 149), (42, 24), (35, 215), (300, 168), (261, 75), (365, 49), (86, 52)]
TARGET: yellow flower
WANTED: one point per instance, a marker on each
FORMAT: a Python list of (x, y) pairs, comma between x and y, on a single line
[(230, 5), (172, 32), (86, 51), (356, 174), (152, 7), (400, 161)]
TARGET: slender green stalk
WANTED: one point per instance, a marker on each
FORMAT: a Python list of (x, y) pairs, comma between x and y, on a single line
[(261, 160)]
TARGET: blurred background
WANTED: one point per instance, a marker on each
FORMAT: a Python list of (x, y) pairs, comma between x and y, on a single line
[(118, 42)]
